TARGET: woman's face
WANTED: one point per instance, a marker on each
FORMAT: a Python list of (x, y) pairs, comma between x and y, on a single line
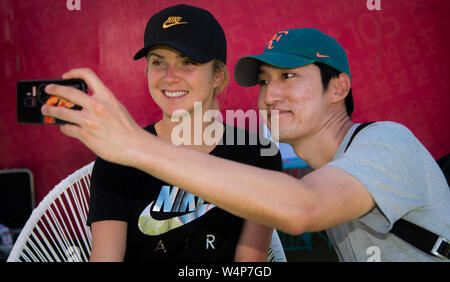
[(176, 82)]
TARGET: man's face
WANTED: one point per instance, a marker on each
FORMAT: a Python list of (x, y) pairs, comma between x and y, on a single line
[(298, 96)]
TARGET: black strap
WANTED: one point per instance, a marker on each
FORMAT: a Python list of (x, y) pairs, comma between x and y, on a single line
[(420, 238), (357, 130)]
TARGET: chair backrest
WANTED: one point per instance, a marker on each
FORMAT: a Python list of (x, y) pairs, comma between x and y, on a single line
[(57, 232)]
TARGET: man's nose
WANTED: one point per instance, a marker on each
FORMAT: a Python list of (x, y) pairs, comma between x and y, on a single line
[(273, 93)]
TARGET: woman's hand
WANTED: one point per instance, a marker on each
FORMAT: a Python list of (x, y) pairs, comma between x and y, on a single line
[(103, 125)]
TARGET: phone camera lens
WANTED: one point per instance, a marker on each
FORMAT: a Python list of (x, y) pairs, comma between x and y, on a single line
[(41, 95), (30, 102)]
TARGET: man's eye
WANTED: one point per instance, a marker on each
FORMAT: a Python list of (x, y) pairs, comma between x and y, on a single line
[(262, 82), (287, 75)]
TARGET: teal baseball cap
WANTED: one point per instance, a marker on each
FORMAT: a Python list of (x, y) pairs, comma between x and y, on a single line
[(293, 48)]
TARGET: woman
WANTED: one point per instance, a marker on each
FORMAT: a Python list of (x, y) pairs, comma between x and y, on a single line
[(137, 217)]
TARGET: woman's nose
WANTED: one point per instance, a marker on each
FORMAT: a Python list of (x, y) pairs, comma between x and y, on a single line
[(171, 73)]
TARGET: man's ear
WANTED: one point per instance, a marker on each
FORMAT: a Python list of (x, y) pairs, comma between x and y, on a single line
[(341, 87)]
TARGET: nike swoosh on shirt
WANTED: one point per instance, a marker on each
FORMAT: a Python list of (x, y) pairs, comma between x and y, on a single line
[(154, 227)]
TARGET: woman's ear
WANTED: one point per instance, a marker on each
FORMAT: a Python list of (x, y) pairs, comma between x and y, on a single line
[(219, 78)]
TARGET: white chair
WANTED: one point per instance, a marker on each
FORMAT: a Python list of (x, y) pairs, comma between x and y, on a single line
[(57, 232)]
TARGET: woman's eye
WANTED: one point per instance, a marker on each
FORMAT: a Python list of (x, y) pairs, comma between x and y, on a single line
[(189, 63), (156, 63), (287, 75)]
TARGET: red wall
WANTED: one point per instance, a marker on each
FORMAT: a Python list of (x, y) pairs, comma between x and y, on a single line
[(398, 58)]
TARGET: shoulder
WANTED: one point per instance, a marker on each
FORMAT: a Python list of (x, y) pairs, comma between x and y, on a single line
[(106, 175), (103, 166), (387, 129), (385, 141), (386, 135)]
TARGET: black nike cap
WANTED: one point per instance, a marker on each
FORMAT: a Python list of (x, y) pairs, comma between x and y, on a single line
[(192, 31)]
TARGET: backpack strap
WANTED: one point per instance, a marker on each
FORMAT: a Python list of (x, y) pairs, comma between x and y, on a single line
[(357, 130), (422, 239), (415, 235)]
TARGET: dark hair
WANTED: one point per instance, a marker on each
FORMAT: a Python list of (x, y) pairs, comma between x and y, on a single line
[(327, 73)]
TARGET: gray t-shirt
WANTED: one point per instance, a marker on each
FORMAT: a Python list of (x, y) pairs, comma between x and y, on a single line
[(405, 182)]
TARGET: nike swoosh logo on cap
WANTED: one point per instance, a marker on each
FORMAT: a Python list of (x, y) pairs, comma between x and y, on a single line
[(171, 21), (321, 56), (154, 227)]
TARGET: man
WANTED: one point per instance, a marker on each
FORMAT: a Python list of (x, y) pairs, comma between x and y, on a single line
[(356, 193)]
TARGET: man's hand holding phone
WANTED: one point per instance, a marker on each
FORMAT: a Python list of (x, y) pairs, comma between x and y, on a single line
[(31, 96), (103, 124)]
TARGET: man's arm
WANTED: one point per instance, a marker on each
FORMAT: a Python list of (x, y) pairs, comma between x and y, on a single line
[(324, 198)]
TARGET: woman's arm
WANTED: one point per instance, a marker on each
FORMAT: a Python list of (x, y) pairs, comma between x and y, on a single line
[(254, 243), (109, 239)]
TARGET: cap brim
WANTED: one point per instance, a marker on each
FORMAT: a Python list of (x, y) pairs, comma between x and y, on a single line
[(192, 53), (246, 69), (141, 53)]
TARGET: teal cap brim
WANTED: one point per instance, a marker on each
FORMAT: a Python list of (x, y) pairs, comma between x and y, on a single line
[(246, 69)]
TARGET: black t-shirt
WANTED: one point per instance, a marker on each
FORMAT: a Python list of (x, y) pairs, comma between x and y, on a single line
[(166, 223)]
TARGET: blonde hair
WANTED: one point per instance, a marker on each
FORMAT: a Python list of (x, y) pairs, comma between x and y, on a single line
[(219, 66)]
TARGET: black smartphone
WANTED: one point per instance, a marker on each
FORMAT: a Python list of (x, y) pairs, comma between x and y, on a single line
[(31, 96)]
